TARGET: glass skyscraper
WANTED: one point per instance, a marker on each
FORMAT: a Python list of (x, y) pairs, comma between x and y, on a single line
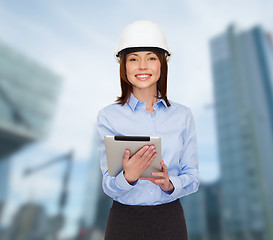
[(194, 207), (202, 212), (97, 204), (242, 67), (28, 95)]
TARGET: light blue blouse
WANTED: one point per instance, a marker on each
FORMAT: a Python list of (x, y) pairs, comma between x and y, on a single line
[(175, 126)]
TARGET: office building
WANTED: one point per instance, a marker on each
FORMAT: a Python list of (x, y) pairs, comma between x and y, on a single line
[(194, 207), (213, 206), (242, 67), (28, 95), (202, 212), (96, 203), (29, 223)]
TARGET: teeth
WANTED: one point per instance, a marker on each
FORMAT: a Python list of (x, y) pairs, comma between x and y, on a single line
[(143, 76)]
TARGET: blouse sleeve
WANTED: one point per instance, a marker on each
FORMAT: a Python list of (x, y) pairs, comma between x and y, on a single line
[(188, 179), (112, 186)]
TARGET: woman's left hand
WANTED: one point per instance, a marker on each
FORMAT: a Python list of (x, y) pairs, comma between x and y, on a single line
[(162, 179)]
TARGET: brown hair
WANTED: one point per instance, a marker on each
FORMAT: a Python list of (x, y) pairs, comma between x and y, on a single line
[(127, 88)]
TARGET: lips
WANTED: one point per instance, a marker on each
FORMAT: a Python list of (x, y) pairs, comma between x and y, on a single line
[(143, 76)]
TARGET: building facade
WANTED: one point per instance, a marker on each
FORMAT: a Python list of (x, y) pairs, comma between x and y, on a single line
[(28, 95), (202, 212), (242, 67), (194, 207)]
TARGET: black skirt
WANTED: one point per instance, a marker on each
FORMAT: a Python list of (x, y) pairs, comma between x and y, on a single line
[(165, 221)]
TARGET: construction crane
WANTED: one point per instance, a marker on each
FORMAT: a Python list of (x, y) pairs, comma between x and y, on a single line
[(57, 221)]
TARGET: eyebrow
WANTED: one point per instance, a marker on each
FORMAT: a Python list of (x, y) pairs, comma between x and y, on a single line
[(135, 54)]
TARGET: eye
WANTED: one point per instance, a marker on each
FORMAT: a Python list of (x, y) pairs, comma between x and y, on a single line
[(152, 57), (132, 59)]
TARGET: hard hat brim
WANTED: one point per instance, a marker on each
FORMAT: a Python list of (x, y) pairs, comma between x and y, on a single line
[(142, 49)]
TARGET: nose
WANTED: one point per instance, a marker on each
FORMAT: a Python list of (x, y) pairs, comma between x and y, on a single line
[(142, 64)]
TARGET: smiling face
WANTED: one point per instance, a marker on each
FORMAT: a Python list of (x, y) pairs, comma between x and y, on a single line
[(143, 69)]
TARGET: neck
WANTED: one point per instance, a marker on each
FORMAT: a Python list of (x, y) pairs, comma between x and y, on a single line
[(146, 95)]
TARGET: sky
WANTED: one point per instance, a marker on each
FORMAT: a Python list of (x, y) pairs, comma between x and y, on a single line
[(77, 41)]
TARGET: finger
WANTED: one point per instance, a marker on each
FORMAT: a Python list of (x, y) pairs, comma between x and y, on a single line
[(164, 167), (148, 152), (126, 155), (140, 152), (160, 181), (159, 174), (150, 155), (152, 158), (162, 164)]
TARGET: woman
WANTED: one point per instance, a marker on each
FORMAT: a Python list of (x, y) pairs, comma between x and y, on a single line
[(148, 208)]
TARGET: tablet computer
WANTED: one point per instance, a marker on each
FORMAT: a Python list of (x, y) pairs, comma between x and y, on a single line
[(115, 147)]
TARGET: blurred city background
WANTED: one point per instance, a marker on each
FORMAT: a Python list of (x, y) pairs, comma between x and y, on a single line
[(57, 70)]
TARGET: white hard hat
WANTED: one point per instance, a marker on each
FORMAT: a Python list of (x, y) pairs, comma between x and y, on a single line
[(142, 34)]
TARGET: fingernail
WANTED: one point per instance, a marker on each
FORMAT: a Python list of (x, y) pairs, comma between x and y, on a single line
[(152, 147), (146, 147), (127, 152), (153, 173)]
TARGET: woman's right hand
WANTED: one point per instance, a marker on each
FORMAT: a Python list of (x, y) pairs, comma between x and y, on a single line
[(134, 166)]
